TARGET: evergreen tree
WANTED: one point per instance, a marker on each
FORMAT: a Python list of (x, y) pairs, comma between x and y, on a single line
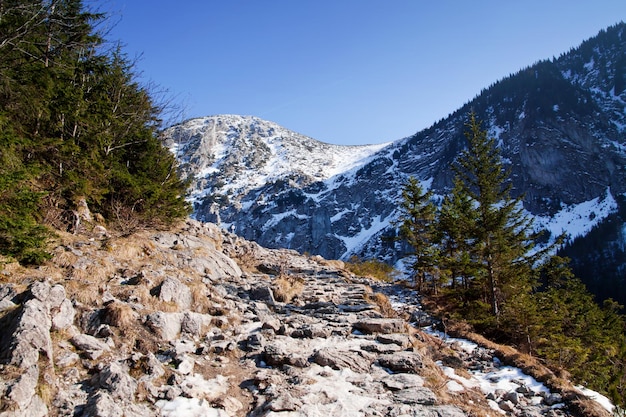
[(76, 127), (417, 227), (455, 225), (500, 238)]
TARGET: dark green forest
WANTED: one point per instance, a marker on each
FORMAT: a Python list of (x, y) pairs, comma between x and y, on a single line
[(76, 127), (474, 255)]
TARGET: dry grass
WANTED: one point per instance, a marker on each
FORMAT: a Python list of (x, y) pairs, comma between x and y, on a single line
[(85, 292), (200, 295), (286, 287), (371, 268), (120, 315), (383, 303), (46, 388)]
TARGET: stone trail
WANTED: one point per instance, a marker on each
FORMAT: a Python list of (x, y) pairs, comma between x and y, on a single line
[(177, 328)]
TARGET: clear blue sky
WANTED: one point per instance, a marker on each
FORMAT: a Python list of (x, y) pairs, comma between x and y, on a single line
[(344, 71)]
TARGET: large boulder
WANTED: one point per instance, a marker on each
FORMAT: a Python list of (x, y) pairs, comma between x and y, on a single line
[(28, 335), (174, 291), (405, 361), (357, 361), (380, 325)]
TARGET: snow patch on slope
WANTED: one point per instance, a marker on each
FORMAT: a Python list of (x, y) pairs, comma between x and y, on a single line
[(578, 219)]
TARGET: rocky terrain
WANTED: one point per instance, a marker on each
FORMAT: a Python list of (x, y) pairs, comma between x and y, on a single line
[(198, 322), (560, 125)]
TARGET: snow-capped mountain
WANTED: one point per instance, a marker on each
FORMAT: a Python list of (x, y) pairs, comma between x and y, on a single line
[(560, 124), (233, 155)]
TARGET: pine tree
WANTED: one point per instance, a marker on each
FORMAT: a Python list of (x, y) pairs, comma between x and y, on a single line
[(76, 127), (417, 227), (501, 240), (455, 225)]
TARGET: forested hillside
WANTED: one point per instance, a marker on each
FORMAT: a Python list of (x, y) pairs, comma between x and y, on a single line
[(474, 259), (76, 128)]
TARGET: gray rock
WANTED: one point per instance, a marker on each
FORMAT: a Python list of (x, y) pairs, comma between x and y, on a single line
[(30, 336), (102, 405), (7, 292), (400, 339), (380, 325), (355, 308), (56, 296), (255, 341), (91, 346), (396, 382), (311, 331), (192, 323), (380, 348), (447, 411), (172, 290), (116, 380), (22, 391), (40, 291), (357, 361), (66, 359), (35, 408), (276, 356), (410, 362), (415, 395), (64, 316), (6, 304), (553, 398), (262, 293), (285, 402), (167, 325), (514, 397), (506, 405), (272, 324)]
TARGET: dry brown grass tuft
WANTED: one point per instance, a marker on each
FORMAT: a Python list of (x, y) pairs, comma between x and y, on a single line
[(383, 303), (287, 287), (200, 295), (332, 263), (64, 258), (120, 315), (85, 292)]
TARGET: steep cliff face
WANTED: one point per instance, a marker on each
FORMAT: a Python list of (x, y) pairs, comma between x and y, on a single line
[(560, 124)]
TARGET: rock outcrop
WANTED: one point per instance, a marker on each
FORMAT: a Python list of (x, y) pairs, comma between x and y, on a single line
[(195, 321)]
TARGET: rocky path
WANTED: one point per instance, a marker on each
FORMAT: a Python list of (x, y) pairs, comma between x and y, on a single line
[(198, 322), (335, 354)]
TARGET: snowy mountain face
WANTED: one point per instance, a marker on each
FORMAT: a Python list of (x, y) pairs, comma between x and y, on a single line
[(262, 180), (560, 125)]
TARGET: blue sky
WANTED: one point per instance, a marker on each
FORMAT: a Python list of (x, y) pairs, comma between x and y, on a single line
[(348, 72)]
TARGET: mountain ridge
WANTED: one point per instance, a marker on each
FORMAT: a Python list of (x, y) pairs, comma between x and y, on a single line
[(560, 125)]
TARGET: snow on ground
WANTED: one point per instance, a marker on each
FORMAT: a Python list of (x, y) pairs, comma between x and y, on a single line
[(201, 392), (189, 407), (505, 378), (599, 398), (489, 382), (578, 219), (364, 235)]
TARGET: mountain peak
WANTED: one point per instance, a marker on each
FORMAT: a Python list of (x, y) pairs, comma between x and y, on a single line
[(234, 154)]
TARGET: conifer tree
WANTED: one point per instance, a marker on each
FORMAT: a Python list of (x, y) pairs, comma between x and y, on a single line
[(455, 225), (417, 227), (76, 127), (501, 240)]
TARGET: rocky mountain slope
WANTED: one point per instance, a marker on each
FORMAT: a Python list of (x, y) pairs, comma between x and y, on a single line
[(560, 124), (198, 322)]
